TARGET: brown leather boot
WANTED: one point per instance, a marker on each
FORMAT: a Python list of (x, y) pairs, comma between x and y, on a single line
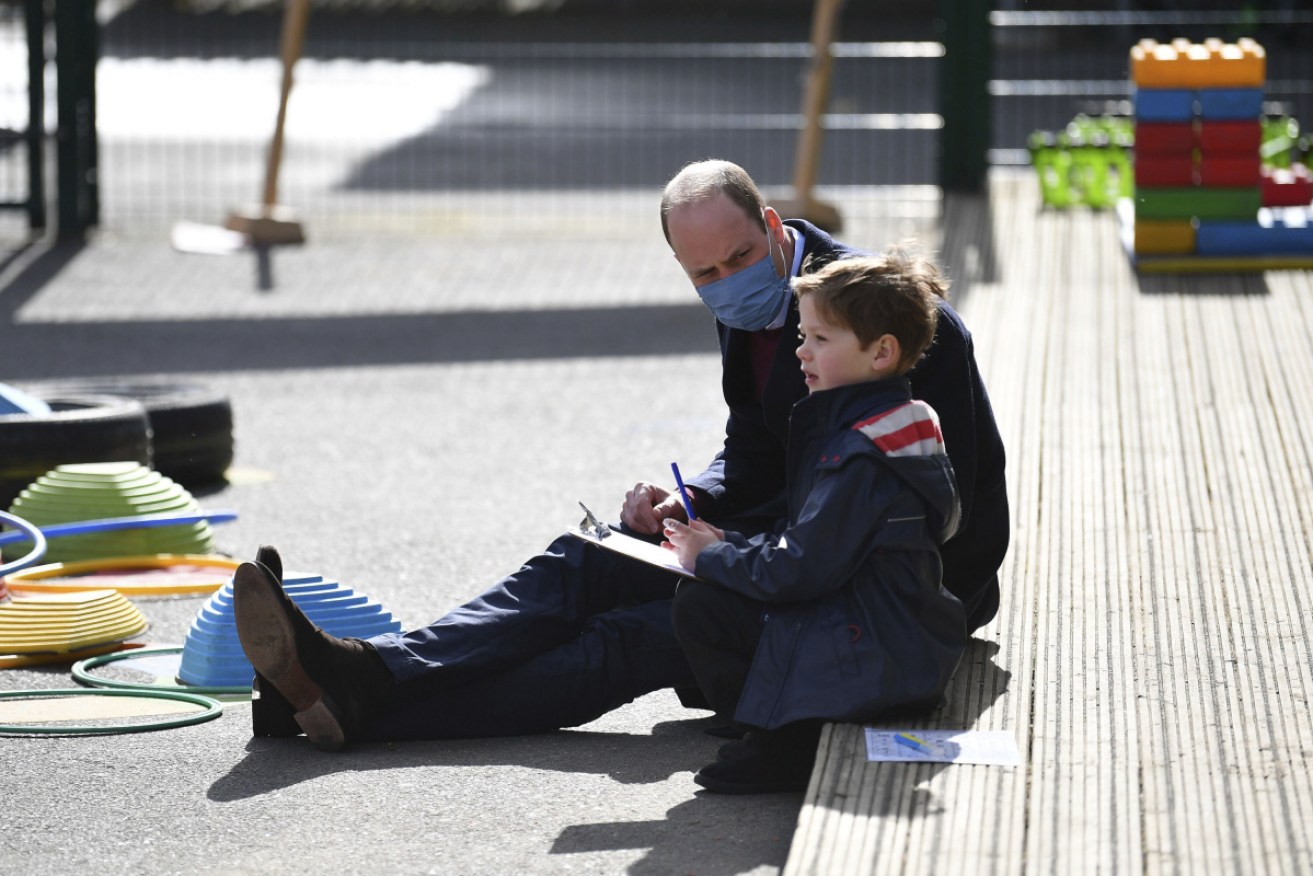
[(332, 686)]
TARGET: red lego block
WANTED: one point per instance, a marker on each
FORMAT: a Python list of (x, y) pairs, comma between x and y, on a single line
[(1156, 171), (1230, 172), (1168, 138), (1230, 137), (1284, 187)]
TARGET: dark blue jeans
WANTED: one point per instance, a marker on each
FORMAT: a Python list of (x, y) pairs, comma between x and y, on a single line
[(576, 632)]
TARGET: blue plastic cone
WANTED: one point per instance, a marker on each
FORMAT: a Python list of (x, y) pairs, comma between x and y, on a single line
[(212, 655)]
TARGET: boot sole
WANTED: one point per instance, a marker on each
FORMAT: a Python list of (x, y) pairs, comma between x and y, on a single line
[(269, 640)]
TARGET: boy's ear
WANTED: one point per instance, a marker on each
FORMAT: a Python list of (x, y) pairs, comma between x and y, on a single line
[(886, 353)]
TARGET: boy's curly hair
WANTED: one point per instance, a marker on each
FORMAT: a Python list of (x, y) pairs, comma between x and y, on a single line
[(895, 293)]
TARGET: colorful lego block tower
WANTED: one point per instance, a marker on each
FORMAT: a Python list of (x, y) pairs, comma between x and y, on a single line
[(1199, 177)]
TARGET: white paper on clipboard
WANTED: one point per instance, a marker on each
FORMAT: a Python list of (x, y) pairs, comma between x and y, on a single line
[(644, 551)]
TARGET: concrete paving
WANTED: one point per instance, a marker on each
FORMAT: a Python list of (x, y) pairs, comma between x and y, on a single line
[(422, 393), (413, 429), (417, 484)]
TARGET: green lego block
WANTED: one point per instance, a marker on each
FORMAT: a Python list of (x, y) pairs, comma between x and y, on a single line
[(1197, 202)]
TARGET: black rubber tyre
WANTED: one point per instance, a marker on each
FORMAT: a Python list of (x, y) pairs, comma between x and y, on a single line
[(79, 428), (192, 426)]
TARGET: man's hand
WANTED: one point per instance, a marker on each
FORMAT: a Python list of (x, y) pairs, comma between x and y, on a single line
[(646, 505), (688, 539)]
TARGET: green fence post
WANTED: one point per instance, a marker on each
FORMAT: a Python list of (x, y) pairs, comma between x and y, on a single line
[(964, 94), (34, 14), (76, 52)]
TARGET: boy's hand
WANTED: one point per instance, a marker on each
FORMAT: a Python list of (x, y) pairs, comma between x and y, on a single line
[(687, 540), (646, 505)]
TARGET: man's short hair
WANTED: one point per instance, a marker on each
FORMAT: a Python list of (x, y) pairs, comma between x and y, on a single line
[(894, 293), (699, 181)]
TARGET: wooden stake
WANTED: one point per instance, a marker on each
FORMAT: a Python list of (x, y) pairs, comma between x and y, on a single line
[(271, 223), (804, 205)]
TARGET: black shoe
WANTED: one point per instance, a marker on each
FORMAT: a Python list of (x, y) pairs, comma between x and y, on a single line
[(759, 772), (332, 686), (268, 557), (271, 714), (724, 731), (751, 742)]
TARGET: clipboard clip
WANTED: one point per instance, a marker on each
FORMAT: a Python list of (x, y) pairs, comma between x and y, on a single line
[(590, 525)]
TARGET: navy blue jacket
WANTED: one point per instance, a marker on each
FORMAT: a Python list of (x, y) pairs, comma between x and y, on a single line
[(743, 488), (858, 624)]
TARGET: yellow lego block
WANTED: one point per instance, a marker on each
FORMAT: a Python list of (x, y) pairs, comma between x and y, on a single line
[(1154, 237), (1239, 65), (1210, 64)]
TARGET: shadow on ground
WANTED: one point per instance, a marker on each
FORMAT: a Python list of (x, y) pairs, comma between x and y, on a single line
[(40, 350), (706, 833)]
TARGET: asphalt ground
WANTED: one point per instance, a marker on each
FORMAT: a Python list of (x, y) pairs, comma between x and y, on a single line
[(414, 416), (418, 485), (422, 393), (420, 401)]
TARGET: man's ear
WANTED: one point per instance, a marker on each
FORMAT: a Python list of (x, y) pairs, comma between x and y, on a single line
[(886, 353), (775, 234)]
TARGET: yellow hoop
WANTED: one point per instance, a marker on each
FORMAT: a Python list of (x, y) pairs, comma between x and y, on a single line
[(33, 580)]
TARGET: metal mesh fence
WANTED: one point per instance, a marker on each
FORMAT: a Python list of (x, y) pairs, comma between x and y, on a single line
[(412, 116), (408, 118), (14, 118), (1050, 65)]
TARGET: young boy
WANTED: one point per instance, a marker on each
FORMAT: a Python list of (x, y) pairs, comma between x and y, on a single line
[(838, 615)]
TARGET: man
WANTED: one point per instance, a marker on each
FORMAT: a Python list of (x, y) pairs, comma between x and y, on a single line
[(578, 630), (714, 219)]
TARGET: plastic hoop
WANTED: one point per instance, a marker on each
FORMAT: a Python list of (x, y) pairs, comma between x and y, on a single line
[(113, 524), (37, 538), (32, 579), (213, 709), (22, 661), (83, 676)]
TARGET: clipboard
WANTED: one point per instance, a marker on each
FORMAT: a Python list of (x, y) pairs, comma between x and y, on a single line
[(590, 529)]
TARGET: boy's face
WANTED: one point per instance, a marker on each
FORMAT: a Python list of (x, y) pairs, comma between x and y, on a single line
[(832, 356)]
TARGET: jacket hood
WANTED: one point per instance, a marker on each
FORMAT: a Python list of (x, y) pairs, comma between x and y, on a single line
[(902, 431)]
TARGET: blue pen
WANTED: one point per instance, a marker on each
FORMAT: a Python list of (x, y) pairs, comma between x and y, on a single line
[(683, 492), (912, 742)]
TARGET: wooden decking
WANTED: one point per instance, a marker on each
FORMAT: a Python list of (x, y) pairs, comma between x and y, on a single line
[(1153, 653)]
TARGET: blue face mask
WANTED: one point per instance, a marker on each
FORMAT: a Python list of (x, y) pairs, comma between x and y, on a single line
[(749, 299)]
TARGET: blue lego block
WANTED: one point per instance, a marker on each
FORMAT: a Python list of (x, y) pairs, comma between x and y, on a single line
[(1286, 231), (1164, 104), (1230, 103)]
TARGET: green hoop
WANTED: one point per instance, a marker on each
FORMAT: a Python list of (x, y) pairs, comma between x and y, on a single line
[(83, 676), (212, 710)]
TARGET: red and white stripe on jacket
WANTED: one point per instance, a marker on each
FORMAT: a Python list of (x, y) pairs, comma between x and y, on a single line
[(911, 429)]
